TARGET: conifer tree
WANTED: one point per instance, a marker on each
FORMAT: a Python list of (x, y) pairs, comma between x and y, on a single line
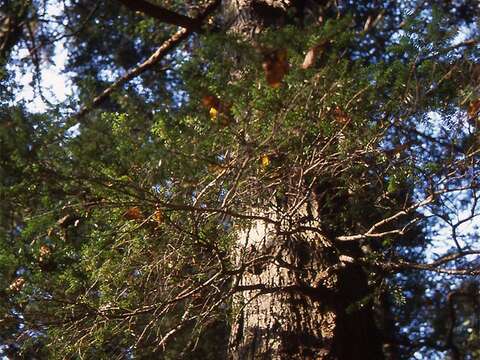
[(241, 179)]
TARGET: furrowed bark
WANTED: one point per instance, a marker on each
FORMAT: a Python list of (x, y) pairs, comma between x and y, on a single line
[(303, 304)]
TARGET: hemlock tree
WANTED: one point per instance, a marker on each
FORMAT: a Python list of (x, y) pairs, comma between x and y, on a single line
[(265, 182)]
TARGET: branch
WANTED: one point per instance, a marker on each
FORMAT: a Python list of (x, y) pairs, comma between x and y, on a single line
[(371, 233), (160, 13), (465, 43), (158, 55), (168, 45), (399, 265), (319, 293), (202, 209)]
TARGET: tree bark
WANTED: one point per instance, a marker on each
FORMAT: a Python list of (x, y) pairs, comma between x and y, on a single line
[(302, 302)]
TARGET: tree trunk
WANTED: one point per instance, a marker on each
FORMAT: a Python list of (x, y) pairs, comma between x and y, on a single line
[(302, 302)]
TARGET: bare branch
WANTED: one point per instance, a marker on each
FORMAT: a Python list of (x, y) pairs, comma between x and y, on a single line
[(465, 43), (158, 55), (167, 46), (399, 265), (371, 233)]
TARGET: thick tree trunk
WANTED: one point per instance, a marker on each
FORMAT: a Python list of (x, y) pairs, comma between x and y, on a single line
[(301, 303)]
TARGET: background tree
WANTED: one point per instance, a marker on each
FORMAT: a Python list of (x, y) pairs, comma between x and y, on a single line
[(269, 177)]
